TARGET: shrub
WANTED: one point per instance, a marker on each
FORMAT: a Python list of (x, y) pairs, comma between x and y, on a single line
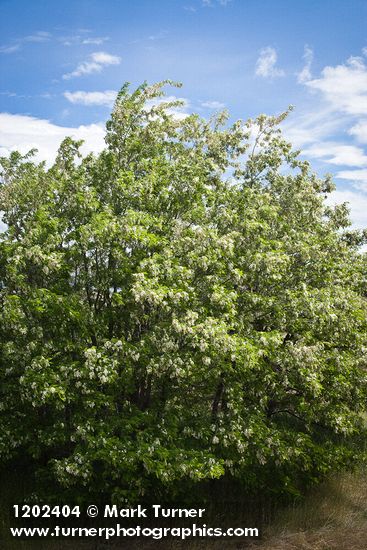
[(183, 306)]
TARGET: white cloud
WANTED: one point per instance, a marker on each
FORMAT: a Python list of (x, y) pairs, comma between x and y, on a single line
[(213, 104), (360, 131), (92, 98), (22, 133), (343, 89), (357, 203), (344, 86), (87, 67), (358, 177), (342, 111), (338, 154), (95, 64), (105, 58), (312, 127), (305, 74), (265, 65)]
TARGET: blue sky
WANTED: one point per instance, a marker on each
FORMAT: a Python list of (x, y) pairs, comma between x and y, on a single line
[(62, 62)]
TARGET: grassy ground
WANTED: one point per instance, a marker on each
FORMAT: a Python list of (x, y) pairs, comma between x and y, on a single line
[(332, 517)]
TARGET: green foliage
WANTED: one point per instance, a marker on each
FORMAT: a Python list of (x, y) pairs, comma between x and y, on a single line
[(182, 307)]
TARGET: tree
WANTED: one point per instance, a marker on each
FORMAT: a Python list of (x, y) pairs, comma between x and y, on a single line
[(183, 306)]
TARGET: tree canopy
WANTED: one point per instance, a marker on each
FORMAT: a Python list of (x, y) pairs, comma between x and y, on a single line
[(183, 306)]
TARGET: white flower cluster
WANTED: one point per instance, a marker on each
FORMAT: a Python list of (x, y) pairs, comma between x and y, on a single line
[(100, 367), (73, 470)]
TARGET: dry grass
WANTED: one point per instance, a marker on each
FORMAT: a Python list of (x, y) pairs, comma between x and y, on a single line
[(323, 539), (332, 517)]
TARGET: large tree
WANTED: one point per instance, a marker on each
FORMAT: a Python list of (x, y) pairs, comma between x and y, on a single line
[(181, 307)]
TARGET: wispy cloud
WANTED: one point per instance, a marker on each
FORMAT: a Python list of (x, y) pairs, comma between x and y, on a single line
[(305, 74), (10, 49), (95, 63), (9, 94), (359, 130), (343, 90), (266, 64), (213, 104), (212, 3), (37, 37), (340, 107), (358, 177), (70, 40), (106, 98), (338, 154), (158, 36), (97, 40), (151, 38), (77, 39), (40, 36)]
